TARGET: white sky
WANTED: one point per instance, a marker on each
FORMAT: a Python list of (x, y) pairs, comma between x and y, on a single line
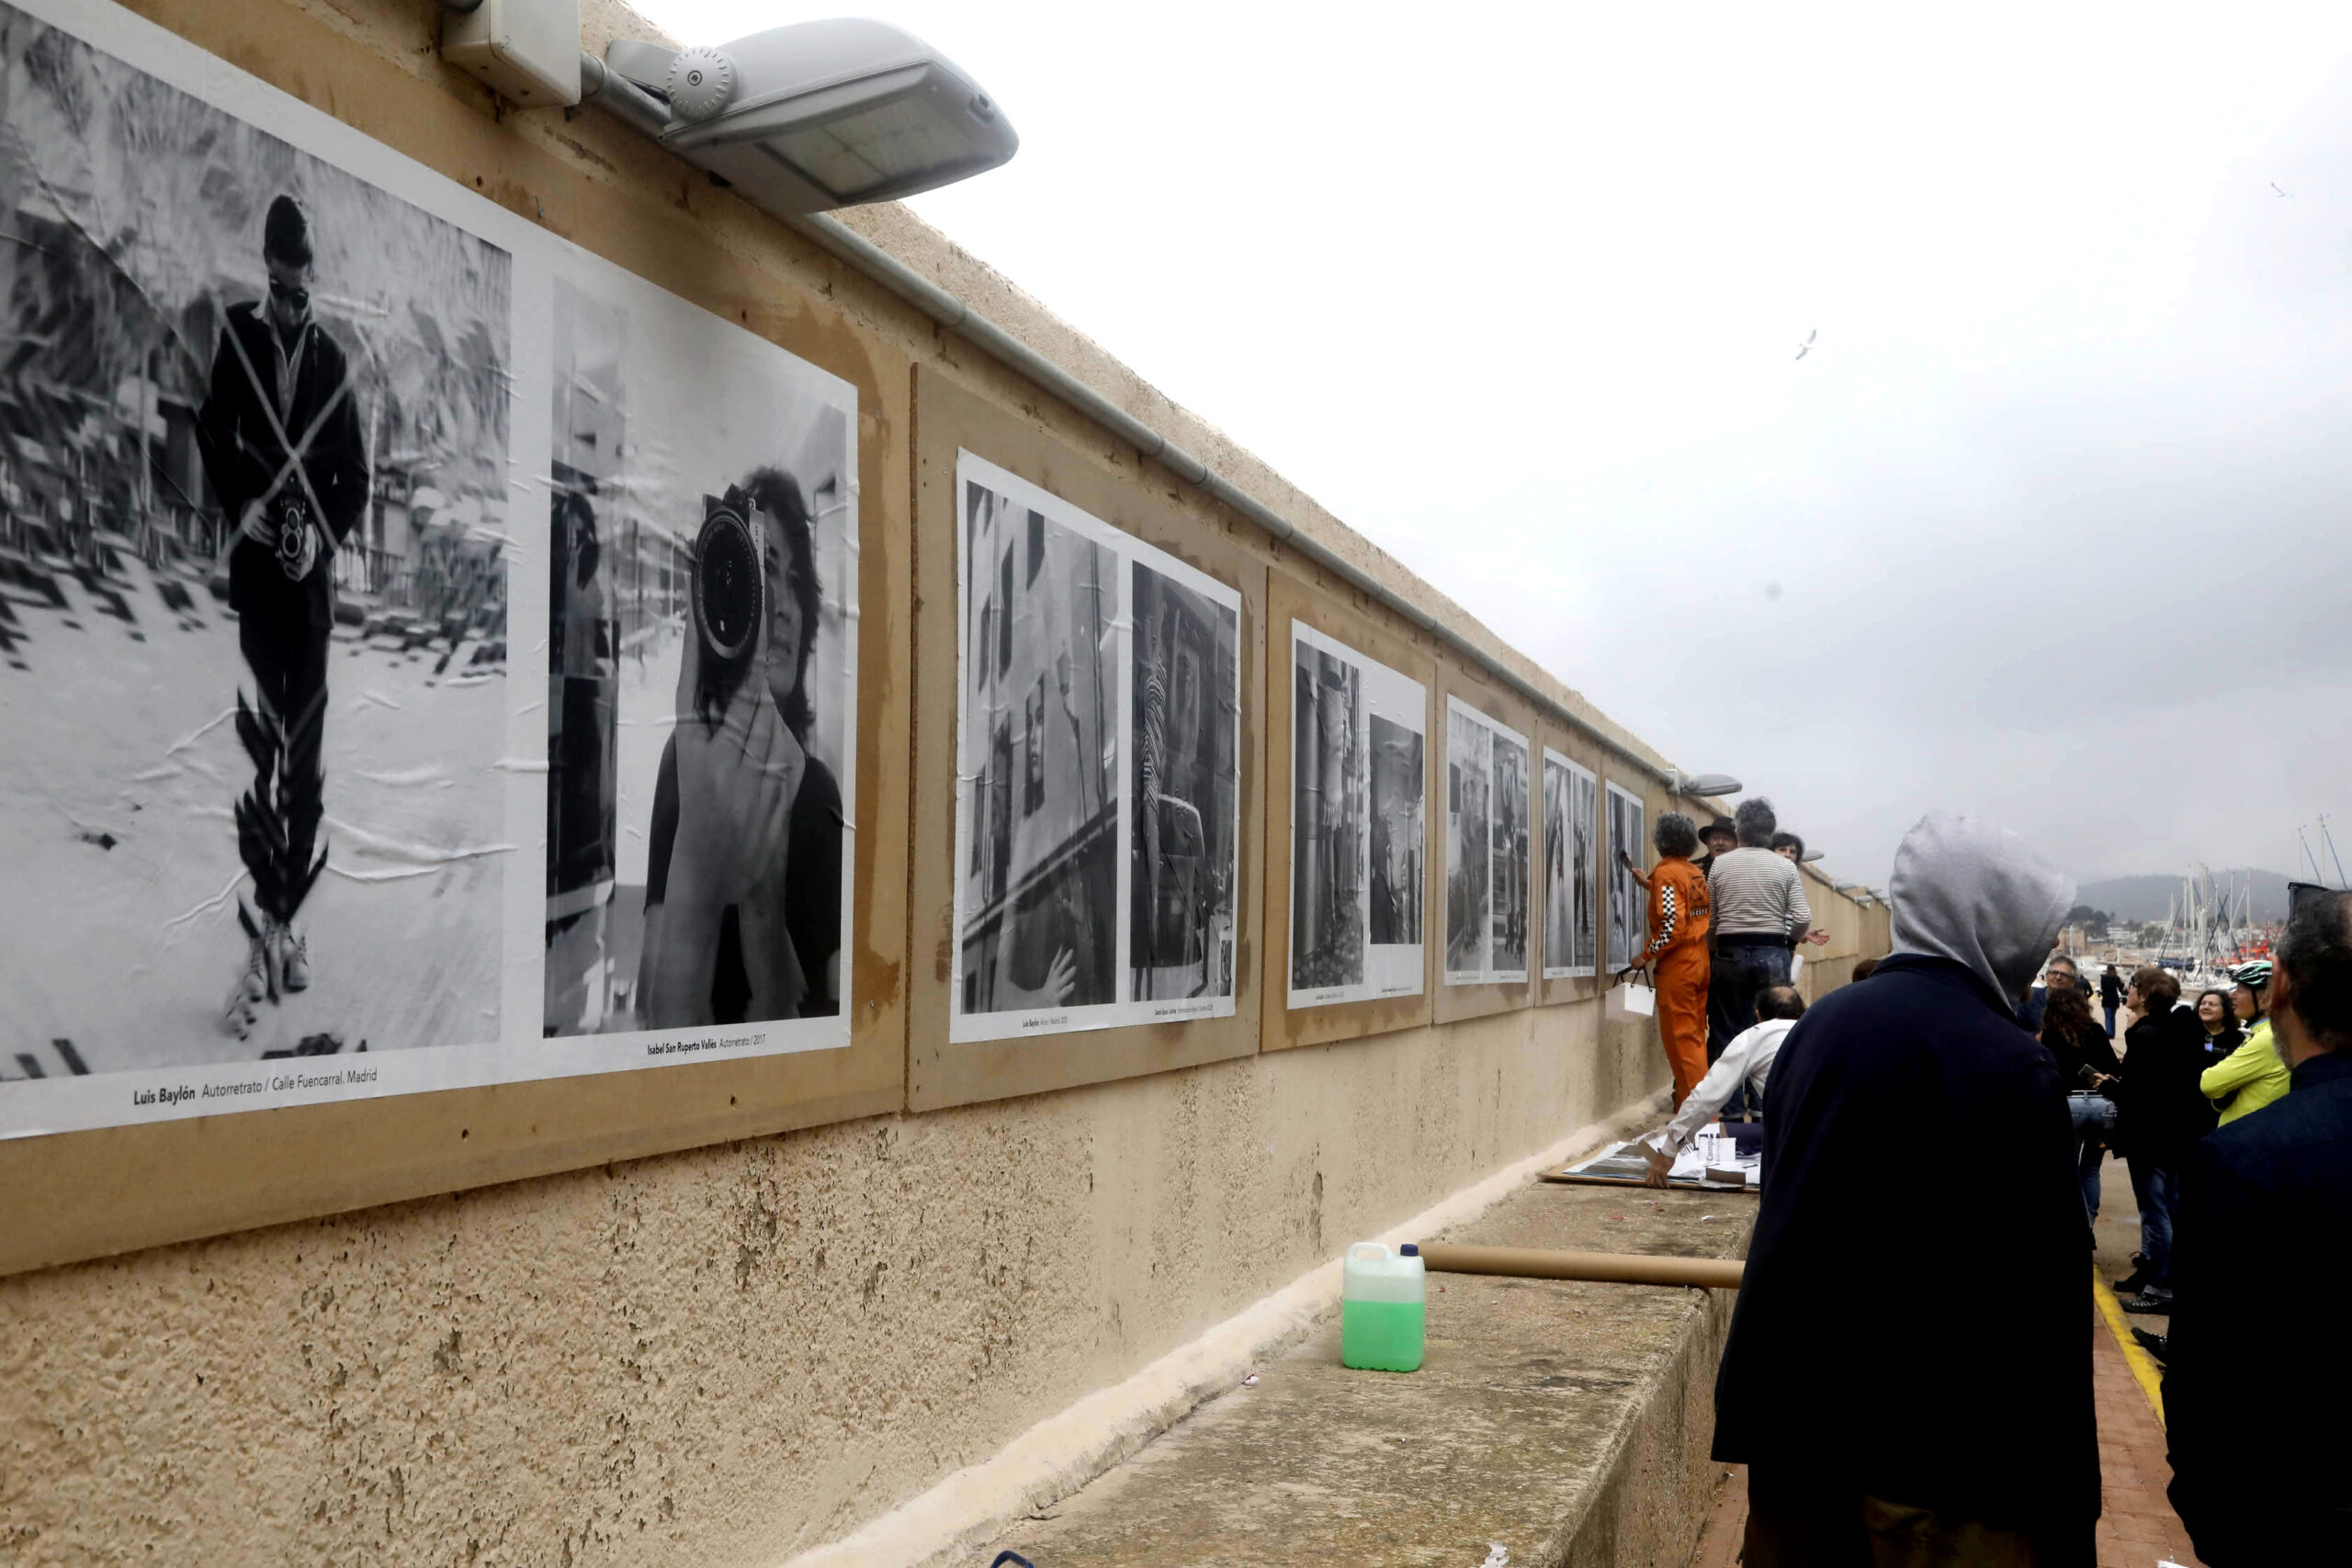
[(2055, 508)]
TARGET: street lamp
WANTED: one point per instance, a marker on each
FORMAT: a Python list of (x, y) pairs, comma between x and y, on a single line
[(798, 119), (815, 116), (1705, 783)]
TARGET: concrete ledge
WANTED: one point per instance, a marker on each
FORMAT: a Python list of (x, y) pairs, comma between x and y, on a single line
[(1064, 1452), (1564, 1423)]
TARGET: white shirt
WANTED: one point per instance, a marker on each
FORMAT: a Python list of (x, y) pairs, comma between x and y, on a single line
[(1748, 1058)]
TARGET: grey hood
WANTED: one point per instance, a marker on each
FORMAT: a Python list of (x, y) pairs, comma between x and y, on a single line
[(1967, 890)]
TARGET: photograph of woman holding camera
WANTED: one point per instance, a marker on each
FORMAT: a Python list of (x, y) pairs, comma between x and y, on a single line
[(743, 897)]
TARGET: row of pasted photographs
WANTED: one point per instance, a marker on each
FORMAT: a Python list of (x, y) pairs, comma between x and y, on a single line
[(1488, 865), (277, 760), (1097, 853)]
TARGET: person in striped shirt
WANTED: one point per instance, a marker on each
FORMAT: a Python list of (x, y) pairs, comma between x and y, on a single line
[(1759, 906)]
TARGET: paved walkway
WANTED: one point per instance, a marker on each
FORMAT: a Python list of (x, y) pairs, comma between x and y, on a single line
[(2138, 1526)]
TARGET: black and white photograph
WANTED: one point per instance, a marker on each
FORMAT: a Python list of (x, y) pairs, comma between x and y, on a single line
[(702, 674), (1571, 867), (1628, 902), (1331, 844), (1039, 876), (1511, 842), (1098, 783), (1356, 783), (1469, 748), (1486, 849), (255, 522), (1399, 837), (1185, 691)]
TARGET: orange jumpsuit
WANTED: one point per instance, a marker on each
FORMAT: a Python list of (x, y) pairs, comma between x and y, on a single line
[(1680, 913)]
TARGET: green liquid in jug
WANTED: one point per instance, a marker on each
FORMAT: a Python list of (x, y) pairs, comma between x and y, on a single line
[(1383, 1336)]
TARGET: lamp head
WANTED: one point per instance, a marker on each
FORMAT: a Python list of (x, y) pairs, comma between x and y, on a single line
[(1705, 783), (820, 115)]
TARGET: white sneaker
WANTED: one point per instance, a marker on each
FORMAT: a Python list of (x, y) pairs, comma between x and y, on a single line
[(251, 989), (293, 956)]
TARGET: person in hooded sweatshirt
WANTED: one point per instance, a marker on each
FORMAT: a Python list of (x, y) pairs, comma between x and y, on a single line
[(1913, 1113)]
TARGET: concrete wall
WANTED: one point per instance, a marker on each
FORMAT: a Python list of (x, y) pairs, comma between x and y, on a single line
[(725, 1355), (1855, 931)]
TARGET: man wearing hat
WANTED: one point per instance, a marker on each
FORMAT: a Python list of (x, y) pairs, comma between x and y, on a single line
[(1716, 837), (283, 449)]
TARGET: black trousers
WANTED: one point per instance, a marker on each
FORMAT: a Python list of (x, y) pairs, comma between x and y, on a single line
[(1803, 1524), (278, 826), (1741, 972)]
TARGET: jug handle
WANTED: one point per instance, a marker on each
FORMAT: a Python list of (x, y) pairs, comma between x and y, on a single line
[(1371, 1251)]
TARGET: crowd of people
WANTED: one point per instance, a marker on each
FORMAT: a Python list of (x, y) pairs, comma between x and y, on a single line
[(2185, 1069), (1947, 1120)]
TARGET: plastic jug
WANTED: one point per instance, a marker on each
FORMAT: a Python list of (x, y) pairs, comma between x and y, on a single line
[(1384, 1307)]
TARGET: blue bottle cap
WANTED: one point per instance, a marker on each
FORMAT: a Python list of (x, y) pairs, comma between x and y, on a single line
[(1409, 1249)]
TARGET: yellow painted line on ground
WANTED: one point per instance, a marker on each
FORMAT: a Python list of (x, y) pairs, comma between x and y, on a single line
[(2142, 1365)]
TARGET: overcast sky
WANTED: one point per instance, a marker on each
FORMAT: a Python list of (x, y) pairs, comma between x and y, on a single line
[(2051, 524)]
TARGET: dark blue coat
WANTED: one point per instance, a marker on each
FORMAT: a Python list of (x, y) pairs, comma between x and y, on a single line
[(1916, 1140), (2257, 1387)]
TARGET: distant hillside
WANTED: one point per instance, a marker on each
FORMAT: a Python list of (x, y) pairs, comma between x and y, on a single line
[(2145, 897)]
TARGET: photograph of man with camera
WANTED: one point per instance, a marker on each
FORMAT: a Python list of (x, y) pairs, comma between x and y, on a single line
[(282, 446), (743, 896), (254, 537), (709, 521)]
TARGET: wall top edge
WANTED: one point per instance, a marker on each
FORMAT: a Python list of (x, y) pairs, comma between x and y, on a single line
[(907, 239)]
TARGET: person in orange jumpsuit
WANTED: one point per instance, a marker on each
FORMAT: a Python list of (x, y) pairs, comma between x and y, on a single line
[(1680, 913)]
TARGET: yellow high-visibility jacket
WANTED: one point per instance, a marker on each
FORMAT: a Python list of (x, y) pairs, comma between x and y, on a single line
[(2253, 1070)]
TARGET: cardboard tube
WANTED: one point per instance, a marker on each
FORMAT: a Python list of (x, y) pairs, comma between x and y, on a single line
[(1620, 1267)]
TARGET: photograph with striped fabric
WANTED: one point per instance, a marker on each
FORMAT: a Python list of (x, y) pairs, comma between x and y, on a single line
[(1187, 769), (1628, 903), (1571, 863), (1357, 783), (1486, 847)]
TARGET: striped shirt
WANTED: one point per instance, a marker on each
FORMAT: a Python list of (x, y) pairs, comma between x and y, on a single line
[(1758, 893)]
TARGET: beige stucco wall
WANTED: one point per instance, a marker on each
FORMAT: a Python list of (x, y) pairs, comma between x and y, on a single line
[(726, 1355)]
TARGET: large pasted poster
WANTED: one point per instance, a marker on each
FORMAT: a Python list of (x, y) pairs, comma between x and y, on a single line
[(1571, 868), (1098, 774), (253, 501), (1486, 846), (702, 679), (1628, 903), (1357, 785), (286, 715)]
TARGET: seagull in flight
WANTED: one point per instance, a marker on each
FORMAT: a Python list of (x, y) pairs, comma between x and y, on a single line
[(1806, 347), (2274, 186)]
